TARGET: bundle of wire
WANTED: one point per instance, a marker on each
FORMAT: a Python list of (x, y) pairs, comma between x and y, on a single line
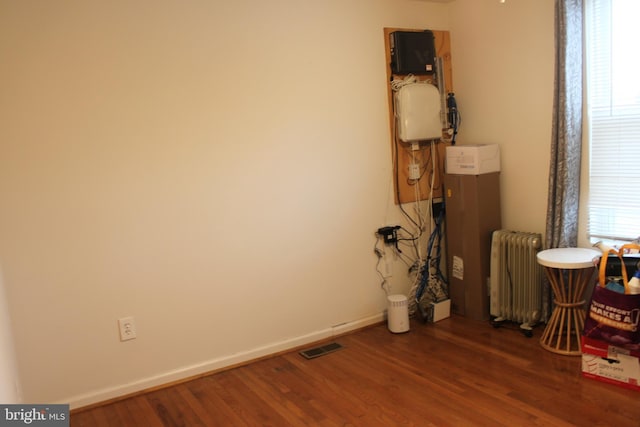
[(431, 284)]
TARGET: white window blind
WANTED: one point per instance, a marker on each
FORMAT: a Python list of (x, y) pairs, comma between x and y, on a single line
[(613, 96)]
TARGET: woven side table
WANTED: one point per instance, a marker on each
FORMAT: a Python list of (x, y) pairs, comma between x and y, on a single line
[(570, 271)]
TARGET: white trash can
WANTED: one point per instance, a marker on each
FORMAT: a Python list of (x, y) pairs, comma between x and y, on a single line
[(397, 313)]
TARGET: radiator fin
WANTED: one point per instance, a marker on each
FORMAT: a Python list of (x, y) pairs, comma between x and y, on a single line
[(516, 277)]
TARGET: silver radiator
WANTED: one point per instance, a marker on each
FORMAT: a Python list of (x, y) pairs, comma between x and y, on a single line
[(516, 277)]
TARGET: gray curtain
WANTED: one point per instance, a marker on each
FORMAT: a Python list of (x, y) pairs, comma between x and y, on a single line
[(566, 141)]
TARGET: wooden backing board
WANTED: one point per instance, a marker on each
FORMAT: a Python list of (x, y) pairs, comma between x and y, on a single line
[(431, 159)]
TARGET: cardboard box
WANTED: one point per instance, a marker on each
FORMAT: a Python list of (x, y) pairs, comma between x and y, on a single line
[(472, 159), (472, 215), (613, 365)]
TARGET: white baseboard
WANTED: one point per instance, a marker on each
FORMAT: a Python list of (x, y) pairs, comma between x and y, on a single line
[(216, 364)]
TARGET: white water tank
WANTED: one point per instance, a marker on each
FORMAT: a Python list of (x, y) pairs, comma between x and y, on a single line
[(397, 313)]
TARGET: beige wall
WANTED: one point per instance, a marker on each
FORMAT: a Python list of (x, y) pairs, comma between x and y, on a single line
[(503, 72), (217, 170), (10, 384)]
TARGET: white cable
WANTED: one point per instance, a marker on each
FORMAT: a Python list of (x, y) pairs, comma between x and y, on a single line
[(396, 84), (434, 288), (428, 218), (435, 282), (429, 210), (381, 254), (417, 267), (433, 183), (414, 287), (416, 193)]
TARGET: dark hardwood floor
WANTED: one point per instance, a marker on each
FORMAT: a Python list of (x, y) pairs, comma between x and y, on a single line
[(457, 372)]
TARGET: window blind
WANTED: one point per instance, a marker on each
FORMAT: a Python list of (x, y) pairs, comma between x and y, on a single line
[(613, 101)]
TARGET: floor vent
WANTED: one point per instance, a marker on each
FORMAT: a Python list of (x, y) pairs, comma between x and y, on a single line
[(314, 352)]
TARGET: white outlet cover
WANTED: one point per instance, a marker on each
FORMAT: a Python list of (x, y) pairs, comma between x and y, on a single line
[(127, 328)]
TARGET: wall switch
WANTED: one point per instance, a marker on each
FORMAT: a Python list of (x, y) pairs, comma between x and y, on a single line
[(127, 328)]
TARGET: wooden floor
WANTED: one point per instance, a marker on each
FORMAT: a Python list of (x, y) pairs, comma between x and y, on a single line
[(454, 373)]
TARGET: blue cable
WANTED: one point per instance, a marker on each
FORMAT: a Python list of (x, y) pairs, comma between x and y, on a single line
[(436, 234)]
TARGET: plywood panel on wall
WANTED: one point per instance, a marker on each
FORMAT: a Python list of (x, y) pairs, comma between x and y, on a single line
[(430, 157)]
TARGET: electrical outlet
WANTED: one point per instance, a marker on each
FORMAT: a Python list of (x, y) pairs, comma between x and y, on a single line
[(414, 171), (127, 328)]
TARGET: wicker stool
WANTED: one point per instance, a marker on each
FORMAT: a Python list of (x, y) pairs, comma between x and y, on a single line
[(569, 270)]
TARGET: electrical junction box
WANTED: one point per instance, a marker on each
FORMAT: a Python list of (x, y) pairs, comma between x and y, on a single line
[(440, 310), (472, 159), (412, 52), (418, 112)]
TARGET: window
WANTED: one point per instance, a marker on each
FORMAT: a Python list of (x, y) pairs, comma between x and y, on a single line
[(613, 103)]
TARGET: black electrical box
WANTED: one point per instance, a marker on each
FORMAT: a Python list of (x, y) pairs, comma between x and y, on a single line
[(412, 52)]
